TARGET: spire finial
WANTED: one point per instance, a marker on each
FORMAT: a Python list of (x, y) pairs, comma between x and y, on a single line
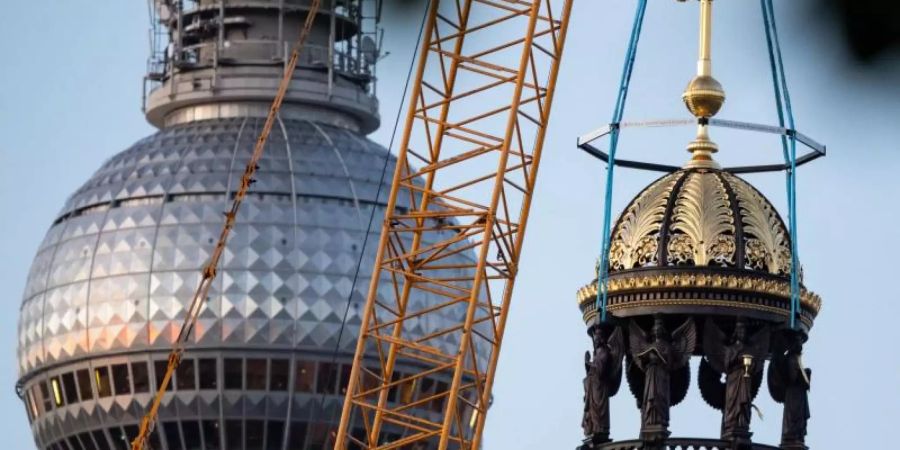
[(704, 95)]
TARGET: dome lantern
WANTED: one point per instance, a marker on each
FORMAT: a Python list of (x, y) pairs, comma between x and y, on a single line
[(699, 263)]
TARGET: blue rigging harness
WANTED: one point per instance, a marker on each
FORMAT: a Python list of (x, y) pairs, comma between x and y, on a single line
[(788, 144), (602, 276)]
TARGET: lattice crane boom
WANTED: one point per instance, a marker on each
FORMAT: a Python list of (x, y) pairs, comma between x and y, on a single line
[(468, 169), (209, 271)]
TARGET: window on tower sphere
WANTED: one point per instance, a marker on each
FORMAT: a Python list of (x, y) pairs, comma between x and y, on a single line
[(369, 379), (278, 375), (327, 379), (274, 434), (208, 374), (87, 441), (253, 433), (211, 434), (68, 381), (305, 376), (173, 436), (155, 441), (84, 384), (392, 392), (318, 435), (140, 377), (119, 439), (437, 405), (190, 429), (101, 376), (30, 406), (159, 370), (35, 394), (234, 432), (100, 439), (45, 396), (74, 444), (256, 374), (186, 375), (121, 380), (297, 435), (345, 378), (234, 373)]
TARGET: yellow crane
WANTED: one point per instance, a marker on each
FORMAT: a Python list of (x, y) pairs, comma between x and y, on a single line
[(479, 164), (470, 167), (209, 271)]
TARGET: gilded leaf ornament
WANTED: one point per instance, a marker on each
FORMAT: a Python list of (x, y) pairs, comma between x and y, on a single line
[(702, 223), (636, 239), (767, 246)]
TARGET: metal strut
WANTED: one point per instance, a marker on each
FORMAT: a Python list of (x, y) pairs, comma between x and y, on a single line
[(817, 150), (603, 270), (209, 271), (789, 146)]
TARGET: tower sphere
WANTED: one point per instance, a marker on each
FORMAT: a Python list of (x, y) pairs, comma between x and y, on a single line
[(118, 268), (110, 284)]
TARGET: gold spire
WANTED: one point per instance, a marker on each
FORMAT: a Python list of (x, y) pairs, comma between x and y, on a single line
[(704, 95)]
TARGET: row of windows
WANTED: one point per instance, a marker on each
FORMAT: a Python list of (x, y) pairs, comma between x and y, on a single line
[(158, 199), (257, 374), (207, 435)]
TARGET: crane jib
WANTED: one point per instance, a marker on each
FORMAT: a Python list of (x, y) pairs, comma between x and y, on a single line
[(487, 158)]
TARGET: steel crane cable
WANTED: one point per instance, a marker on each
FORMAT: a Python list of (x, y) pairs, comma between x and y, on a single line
[(788, 143), (209, 270), (384, 167), (627, 69)]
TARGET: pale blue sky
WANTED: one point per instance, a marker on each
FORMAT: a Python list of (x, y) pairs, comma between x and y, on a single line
[(70, 98)]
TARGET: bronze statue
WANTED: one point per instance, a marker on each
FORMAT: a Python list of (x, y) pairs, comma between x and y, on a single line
[(602, 380), (741, 359), (657, 356), (586, 424), (789, 383)]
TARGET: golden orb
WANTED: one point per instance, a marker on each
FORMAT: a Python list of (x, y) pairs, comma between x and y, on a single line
[(703, 96)]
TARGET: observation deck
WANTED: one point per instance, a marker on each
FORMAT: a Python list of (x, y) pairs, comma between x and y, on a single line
[(216, 59)]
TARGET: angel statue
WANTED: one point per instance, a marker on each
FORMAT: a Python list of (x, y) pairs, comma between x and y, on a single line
[(663, 375), (789, 383), (741, 358), (602, 380)]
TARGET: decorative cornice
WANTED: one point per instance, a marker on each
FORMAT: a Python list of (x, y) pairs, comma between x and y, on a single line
[(651, 282)]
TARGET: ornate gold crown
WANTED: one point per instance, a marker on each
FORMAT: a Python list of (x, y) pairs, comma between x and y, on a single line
[(700, 238)]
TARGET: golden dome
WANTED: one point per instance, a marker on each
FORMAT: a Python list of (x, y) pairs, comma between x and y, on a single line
[(703, 96), (700, 237)]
